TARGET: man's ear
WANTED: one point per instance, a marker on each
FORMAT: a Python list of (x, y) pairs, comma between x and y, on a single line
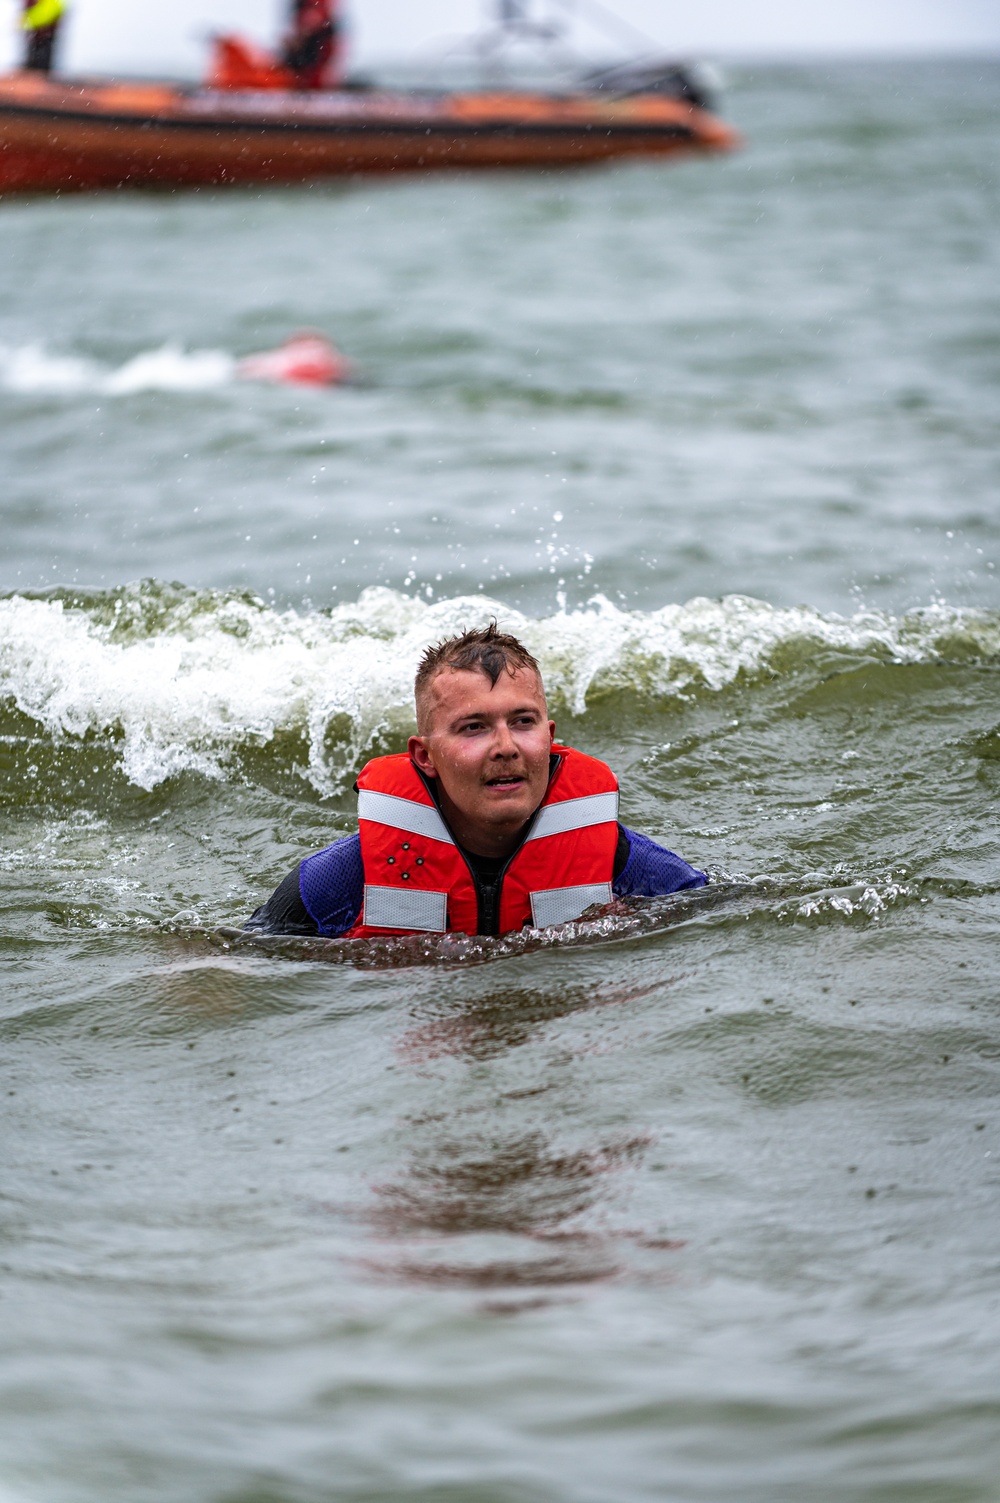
[(421, 756), (552, 731)]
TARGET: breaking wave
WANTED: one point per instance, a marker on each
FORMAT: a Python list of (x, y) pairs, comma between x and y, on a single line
[(33, 370), (176, 680)]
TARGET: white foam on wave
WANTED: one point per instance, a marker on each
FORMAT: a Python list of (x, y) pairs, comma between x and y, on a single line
[(183, 679), (31, 369)]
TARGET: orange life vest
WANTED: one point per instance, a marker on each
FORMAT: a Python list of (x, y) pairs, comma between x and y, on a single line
[(418, 880)]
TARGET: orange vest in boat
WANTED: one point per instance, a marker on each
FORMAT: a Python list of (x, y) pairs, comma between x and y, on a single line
[(417, 880)]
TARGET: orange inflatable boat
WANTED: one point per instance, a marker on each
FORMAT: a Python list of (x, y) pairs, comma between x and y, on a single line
[(245, 127)]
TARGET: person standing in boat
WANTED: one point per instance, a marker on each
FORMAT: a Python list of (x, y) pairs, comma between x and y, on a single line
[(312, 47), (40, 21)]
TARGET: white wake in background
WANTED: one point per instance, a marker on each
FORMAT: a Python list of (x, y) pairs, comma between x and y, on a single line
[(33, 370)]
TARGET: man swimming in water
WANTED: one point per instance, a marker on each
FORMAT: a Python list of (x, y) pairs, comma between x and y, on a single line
[(484, 825)]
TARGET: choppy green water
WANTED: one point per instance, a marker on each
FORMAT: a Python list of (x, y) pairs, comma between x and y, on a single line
[(695, 1202)]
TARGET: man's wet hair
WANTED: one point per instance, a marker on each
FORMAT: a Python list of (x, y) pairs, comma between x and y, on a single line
[(483, 650)]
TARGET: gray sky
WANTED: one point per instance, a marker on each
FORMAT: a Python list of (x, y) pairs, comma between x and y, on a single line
[(150, 37)]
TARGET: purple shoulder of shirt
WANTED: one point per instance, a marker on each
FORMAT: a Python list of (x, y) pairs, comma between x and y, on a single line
[(332, 881), (332, 885), (652, 871)]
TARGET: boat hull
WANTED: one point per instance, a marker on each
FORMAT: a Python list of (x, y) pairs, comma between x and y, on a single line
[(59, 137)]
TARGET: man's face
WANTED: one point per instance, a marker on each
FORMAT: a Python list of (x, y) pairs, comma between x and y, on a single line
[(488, 744)]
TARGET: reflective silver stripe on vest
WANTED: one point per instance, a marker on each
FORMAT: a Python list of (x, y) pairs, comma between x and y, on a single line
[(396, 908), (403, 814), (560, 904), (575, 814)]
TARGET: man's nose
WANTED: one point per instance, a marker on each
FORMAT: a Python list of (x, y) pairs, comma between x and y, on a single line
[(504, 744)]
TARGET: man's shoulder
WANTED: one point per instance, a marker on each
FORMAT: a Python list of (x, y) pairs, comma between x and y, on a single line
[(339, 856), (331, 882), (573, 754), (652, 870), (576, 774), (321, 895)]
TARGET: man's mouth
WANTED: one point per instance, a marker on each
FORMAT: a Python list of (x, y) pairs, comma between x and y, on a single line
[(512, 780)]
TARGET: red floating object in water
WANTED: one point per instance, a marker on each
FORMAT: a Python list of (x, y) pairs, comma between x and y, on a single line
[(303, 360)]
